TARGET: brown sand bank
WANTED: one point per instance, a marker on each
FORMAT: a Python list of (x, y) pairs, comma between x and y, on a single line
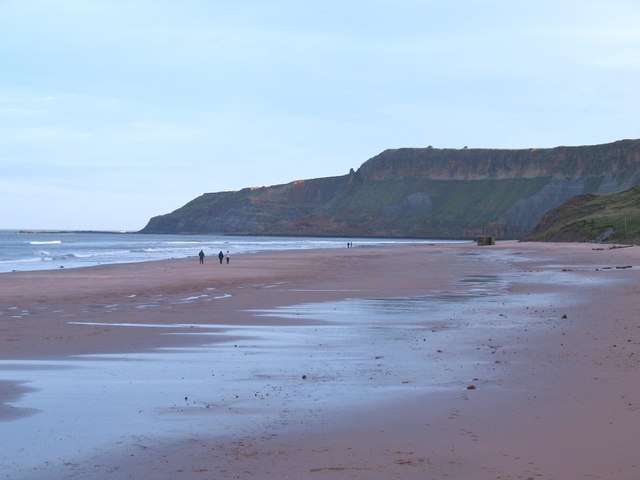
[(557, 391), (37, 307)]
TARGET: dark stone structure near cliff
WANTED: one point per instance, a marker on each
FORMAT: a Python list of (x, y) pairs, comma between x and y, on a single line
[(418, 192)]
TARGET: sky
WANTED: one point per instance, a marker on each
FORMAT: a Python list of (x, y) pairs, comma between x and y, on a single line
[(115, 111)]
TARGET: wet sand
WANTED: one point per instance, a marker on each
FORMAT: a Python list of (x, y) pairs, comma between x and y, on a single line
[(513, 361)]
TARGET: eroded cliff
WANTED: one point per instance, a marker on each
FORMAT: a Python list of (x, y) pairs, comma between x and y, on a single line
[(418, 192)]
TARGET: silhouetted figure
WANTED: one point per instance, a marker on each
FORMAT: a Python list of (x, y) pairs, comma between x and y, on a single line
[(221, 256), (227, 256), (201, 255)]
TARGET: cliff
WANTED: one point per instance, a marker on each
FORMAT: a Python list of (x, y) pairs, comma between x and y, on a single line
[(418, 192), (592, 217)]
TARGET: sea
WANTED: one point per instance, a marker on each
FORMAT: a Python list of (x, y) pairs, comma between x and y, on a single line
[(48, 250)]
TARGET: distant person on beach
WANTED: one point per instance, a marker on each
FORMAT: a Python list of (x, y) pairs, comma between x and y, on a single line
[(201, 255), (227, 257), (221, 256)]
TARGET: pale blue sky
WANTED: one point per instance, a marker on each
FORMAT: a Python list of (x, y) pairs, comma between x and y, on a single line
[(114, 111)]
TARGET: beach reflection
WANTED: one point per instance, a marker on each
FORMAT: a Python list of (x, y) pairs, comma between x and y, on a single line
[(355, 351)]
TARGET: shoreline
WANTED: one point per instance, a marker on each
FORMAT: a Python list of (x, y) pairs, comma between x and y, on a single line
[(63, 250), (549, 391), (154, 289)]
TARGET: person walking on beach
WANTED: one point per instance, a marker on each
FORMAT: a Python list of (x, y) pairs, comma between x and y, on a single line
[(221, 256), (201, 255), (227, 257)]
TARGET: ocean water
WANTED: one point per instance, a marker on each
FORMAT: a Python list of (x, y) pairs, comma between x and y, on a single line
[(21, 251)]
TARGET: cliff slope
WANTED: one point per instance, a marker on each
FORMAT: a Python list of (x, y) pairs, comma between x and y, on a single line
[(613, 217), (418, 192)]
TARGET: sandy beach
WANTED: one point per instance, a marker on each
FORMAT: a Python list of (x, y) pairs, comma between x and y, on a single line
[(514, 361)]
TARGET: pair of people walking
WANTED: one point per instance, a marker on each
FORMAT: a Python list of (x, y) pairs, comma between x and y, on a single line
[(222, 257)]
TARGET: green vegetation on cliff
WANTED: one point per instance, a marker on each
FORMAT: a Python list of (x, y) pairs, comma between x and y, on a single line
[(593, 217), (429, 208)]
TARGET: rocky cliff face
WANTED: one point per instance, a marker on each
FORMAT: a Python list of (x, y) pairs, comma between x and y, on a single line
[(418, 192), (479, 164)]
